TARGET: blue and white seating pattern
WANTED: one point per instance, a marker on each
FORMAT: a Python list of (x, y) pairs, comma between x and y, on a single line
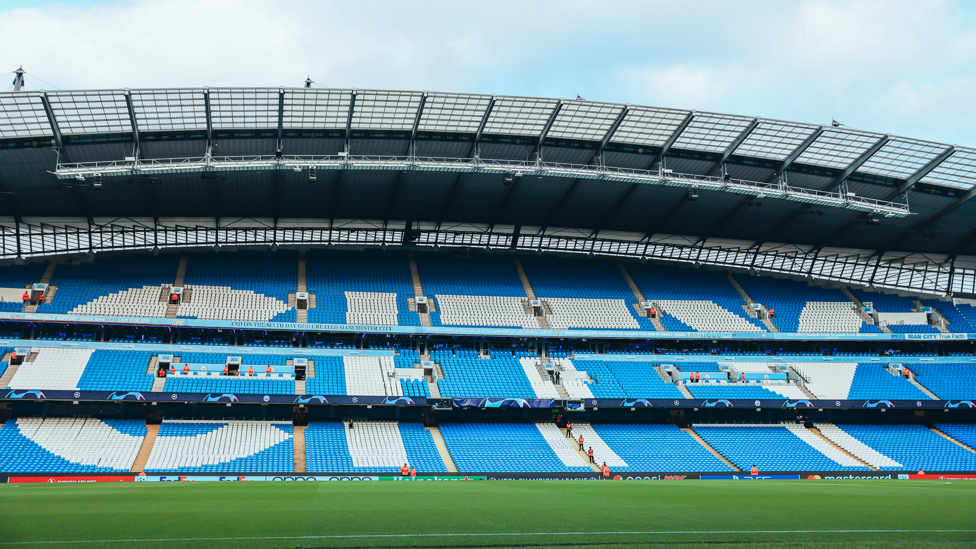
[(949, 381), (241, 286), (329, 378), (913, 446), (223, 446), (53, 369), (117, 371), (801, 307), (113, 285), (370, 447), (352, 286), (963, 432), (69, 445), (770, 448), (501, 447), (649, 448), (466, 375), (855, 447)]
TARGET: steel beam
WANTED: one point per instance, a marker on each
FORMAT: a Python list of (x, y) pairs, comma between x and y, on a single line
[(475, 151), (789, 160), (58, 141), (352, 107), (733, 146), (612, 130), (281, 119), (206, 107), (922, 172), (857, 163), (132, 120), (416, 124), (545, 130), (659, 157)]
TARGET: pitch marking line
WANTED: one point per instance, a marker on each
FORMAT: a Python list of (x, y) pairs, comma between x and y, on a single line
[(499, 534)]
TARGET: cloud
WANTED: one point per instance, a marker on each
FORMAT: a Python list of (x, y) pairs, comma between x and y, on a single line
[(892, 66)]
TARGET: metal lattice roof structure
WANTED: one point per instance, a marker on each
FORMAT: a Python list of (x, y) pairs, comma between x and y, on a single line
[(601, 168)]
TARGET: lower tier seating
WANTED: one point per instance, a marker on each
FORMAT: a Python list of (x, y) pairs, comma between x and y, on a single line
[(223, 446), (370, 447), (501, 447), (648, 448), (69, 445), (950, 381), (768, 447), (963, 432), (913, 446)]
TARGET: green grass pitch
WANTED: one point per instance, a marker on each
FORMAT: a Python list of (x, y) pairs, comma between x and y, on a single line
[(715, 514)]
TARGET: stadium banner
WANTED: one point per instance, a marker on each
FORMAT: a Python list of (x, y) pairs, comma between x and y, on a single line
[(942, 476), (750, 477), (146, 396), (299, 477), (69, 480), (504, 402), (466, 331)]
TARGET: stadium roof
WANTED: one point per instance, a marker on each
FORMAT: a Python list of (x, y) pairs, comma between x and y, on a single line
[(445, 157)]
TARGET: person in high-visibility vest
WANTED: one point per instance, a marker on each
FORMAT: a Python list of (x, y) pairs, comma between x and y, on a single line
[(405, 470), (269, 370), (590, 453), (413, 473), (226, 369), (186, 368), (569, 430), (25, 297), (755, 471), (250, 370), (606, 471), (581, 442), (743, 378), (162, 372), (172, 370)]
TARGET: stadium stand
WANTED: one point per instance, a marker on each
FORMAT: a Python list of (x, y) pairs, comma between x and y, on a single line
[(800, 307), (913, 446), (223, 446), (647, 448), (948, 380), (229, 385), (604, 383), (330, 377), (507, 447), (369, 447), (467, 375), (774, 448), (69, 445), (745, 391), (241, 286), (856, 447), (116, 371), (19, 276), (700, 300), (963, 432), (957, 320), (583, 293), (856, 381), (367, 287), (53, 369), (113, 285)]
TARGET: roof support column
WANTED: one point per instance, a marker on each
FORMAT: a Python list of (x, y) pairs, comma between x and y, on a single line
[(610, 132), (858, 162), (352, 106), (788, 161), (659, 157), (58, 140), (135, 125), (281, 120), (206, 107), (476, 149), (720, 165), (545, 131), (416, 124)]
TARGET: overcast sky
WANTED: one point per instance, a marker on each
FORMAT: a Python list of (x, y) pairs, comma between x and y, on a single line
[(907, 68)]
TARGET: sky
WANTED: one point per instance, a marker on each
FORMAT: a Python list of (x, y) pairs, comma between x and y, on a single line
[(901, 67)]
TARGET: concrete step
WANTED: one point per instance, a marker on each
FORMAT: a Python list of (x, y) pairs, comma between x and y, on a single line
[(151, 369), (180, 279), (158, 384), (171, 310), (435, 391), (164, 294), (749, 304), (584, 455), (684, 390), (50, 293), (300, 386), (302, 287), (529, 292), (298, 432), (947, 437), (146, 449), (435, 432), (48, 273), (187, 295), (922, 388), (630, 282), (310, 369), (817, 432), (656, 321), (807, 392), (418, 288), (708, 447), (561, 391), (8, 374)]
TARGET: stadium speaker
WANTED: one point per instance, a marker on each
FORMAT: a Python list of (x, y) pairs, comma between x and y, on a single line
[(693, 194), (311, 174), (507, 179)]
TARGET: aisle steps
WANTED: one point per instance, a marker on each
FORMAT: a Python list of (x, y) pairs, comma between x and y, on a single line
[(181, 271), (748, 307), (582, 454), (146, 449), (529, 292), (435, 432), (817, 432), (298, 441), (708, 447), (947, 437), (922, 388), (418, 290)]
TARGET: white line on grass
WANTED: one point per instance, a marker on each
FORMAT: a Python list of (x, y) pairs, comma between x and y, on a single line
[(497, 534)]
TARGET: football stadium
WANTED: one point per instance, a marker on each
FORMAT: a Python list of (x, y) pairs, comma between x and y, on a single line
[(229, 314)]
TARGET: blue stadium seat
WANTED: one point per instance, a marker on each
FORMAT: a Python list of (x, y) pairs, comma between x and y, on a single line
[(501, 447), (914, 446)]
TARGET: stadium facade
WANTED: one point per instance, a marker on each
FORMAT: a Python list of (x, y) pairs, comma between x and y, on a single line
[(339, 281)]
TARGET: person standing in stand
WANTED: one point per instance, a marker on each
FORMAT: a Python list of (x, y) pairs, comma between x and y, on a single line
[(581, 443), (590, 453), (569, 430), (405, 470), (413, 473), (606, 471)]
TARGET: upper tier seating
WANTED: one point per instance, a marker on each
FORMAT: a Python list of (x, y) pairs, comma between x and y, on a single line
[(770, 448), (949, 381), (543, 387), (466, 375), (113, 286), (241, 286), (575, 382), (19, 276), (605, 384), (700, 300), (650, 448), (69, 445), (732, 391), (584, 293), (368, 287), (914, 446), (640, 380), (912, 329), (367, 375), (801, 307), (828, 381), (223, 446), (501, 447), (482, 275), (845, 380), (370, 447), (483, 310), (963, 432), (958, 320), (884, 303), (329, 378)]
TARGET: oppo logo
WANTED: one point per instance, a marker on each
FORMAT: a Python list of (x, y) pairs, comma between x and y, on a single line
[(293, 479)]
